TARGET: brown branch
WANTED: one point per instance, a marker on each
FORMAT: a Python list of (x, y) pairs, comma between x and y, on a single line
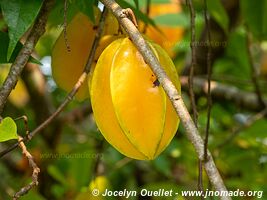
[(24, 190), (171, 91), (16, 68), (71, 94), (222, 92)]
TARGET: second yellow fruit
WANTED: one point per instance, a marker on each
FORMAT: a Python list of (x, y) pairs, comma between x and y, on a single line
[(68, 65), (166, 36)]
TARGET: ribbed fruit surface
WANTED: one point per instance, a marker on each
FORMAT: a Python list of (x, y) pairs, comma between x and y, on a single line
[(130, 107)]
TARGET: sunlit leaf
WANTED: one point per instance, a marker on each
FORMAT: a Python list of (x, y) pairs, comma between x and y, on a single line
[(86, 7), (8, 129)]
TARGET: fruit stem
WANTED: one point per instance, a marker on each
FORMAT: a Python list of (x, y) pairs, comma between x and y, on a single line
[(128, 12)]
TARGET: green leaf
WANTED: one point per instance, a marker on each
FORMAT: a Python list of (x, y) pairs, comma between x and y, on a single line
[(2, 23), (174, 20), (87, 7), (236, 57), (218, 13), (19, 16), (136, 2), (8, 129), (255, 17), (4, 40)]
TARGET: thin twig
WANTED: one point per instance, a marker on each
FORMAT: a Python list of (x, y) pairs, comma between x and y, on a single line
[(130, 14), (209, 100), (254, 76), (177, 102), (96, 171), (36, 170), (237, 130), (190, 82), (65, 26), (219, 42), (25, 121), (72, 93), (193, 60), (9, 149), (16, 68)]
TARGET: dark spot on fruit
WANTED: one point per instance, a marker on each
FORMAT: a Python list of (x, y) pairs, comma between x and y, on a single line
[(156, 83), (95, 27)]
